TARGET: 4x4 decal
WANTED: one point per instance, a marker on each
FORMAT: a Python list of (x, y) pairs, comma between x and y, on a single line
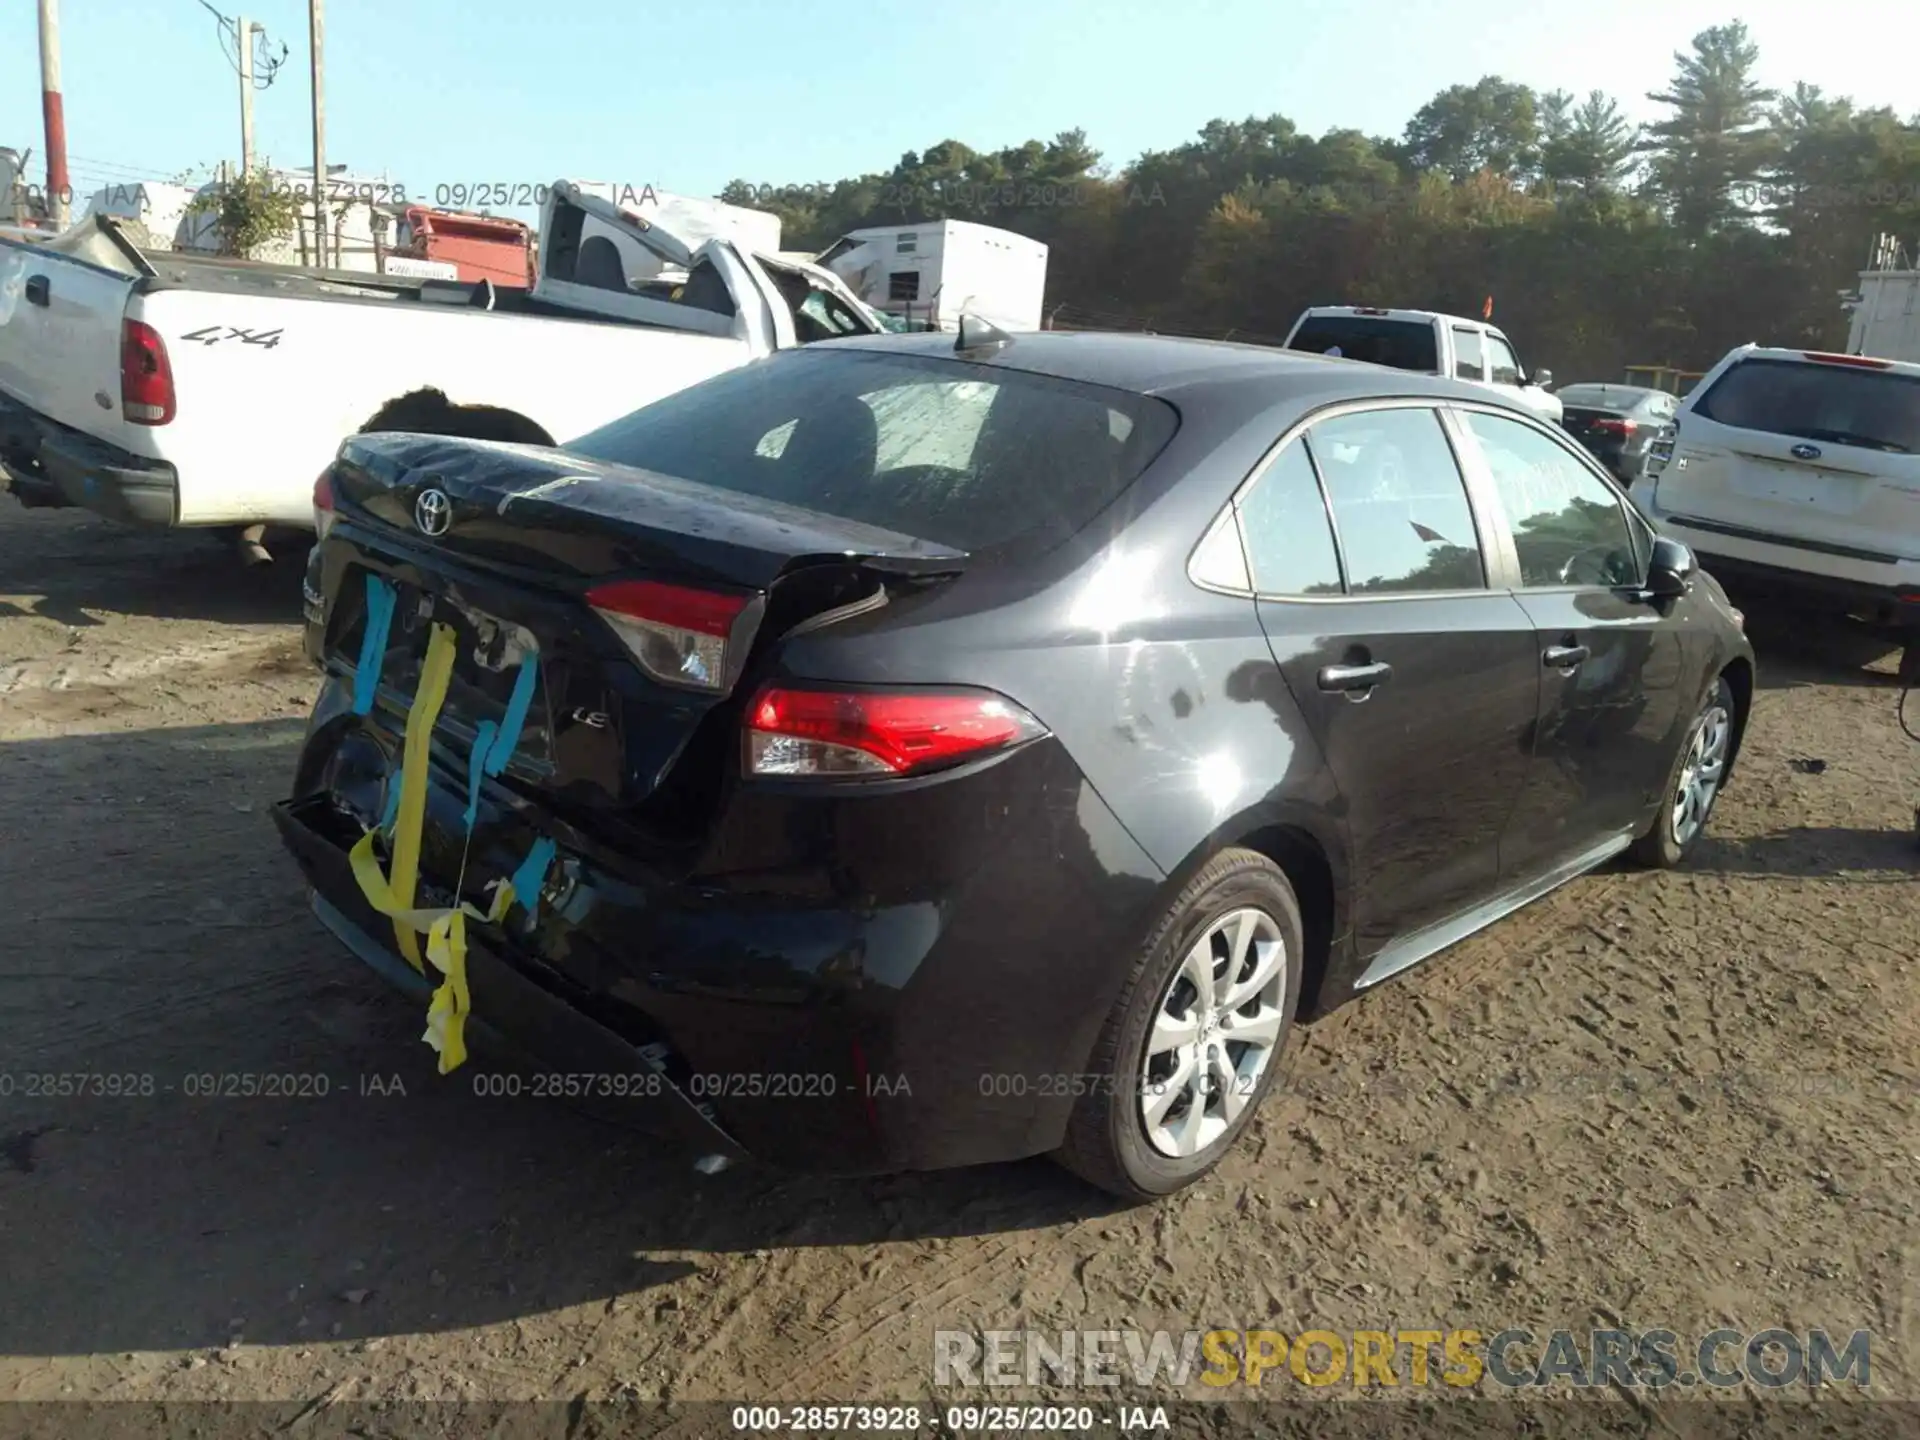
[(214, 334)]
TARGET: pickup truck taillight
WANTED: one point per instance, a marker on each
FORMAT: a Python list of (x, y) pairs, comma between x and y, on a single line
[(146, 376)]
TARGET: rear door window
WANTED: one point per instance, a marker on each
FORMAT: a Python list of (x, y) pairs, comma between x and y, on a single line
[(1284, 520), (1569, 527), (971, 456), (1401, 344), (1469, 360), (1399, 503), (1838, 404)]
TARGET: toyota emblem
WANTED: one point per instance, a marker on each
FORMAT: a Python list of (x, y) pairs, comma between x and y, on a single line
[(433, 512), (1806, 452)]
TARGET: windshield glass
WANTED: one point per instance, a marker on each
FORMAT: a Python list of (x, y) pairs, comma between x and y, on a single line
[(1604, 397), (1841, 404), (1401, 344), (972, 456)]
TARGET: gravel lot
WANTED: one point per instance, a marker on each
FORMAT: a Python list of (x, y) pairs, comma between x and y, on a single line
[(1682, 1100)]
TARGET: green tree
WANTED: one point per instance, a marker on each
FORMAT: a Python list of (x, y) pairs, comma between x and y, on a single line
[(1715, 139), (1589, 146), (1491, 124), (249, 210)]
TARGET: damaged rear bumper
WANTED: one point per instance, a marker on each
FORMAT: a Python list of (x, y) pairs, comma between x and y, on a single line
[(511, 1013)]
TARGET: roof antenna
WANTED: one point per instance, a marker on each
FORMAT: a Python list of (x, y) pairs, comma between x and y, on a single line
[(978, 334)]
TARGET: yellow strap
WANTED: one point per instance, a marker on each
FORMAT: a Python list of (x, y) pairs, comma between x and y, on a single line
[(435, 672), (445, 928), (446, 932)]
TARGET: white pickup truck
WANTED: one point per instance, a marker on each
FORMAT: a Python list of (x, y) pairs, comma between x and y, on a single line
[(1429, 343), (173, 390)]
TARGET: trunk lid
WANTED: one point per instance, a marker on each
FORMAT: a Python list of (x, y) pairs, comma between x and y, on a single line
[(519, 548), (1806, 450)]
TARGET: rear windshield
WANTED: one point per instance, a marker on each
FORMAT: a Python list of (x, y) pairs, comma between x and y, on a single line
[(1603, 397), (1402, 344), (971, 456), (1840, 404)]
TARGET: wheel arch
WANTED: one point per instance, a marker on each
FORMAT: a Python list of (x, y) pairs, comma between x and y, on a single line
[(1738, 673), (1310, 849)]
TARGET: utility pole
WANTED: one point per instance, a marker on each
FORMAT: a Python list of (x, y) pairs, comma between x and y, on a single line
[(53, 113), (316, 36), (246, 28)]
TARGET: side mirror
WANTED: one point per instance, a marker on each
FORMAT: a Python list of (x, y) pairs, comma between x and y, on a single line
[(1671, 570), (1543, 378)]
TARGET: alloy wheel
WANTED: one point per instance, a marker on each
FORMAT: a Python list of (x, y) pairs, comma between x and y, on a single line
[(1701, 773), (1214, 1033)]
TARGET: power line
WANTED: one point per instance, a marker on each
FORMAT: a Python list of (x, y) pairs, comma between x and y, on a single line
[(266, 64)]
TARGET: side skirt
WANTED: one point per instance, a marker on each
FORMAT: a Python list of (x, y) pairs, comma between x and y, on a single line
[(1410, 950)]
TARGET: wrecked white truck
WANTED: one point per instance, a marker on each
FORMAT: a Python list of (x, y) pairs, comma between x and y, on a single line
[(166, 389)]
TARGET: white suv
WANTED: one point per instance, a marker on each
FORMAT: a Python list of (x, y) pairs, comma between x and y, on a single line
[(1798, 472)]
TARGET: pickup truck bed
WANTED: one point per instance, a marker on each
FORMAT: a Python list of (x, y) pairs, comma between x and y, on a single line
[(183, 390)]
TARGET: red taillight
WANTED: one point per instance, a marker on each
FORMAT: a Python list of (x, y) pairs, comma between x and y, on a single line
[(1866, 362), (678, 635), (323, 503), (1614, 427), (146, 376), (877, 733)]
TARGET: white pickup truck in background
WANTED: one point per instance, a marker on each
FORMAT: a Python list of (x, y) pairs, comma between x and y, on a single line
[(174, 390), (1429, 343)]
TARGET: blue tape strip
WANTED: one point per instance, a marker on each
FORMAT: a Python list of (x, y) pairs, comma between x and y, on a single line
[(393, 800), (483, 740), (508, 738), (532, 875), (373, 644)]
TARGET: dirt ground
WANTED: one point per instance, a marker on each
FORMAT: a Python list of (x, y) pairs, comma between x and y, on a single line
[(1682, 1100)]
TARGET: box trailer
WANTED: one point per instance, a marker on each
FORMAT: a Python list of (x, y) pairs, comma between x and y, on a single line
[(935, 271)]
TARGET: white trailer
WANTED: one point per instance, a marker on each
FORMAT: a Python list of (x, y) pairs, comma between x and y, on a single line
[(942, 269)]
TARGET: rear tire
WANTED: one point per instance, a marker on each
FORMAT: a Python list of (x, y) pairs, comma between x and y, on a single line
[(1700, 772), (1155, 1120)]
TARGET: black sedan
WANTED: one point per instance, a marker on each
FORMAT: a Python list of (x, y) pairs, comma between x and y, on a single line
[(1623, 425), (894, 756)]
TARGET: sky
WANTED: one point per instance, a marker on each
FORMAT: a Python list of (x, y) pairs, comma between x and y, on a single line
[(443, 93)]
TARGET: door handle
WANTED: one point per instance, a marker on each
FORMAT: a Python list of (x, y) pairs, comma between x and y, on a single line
[(1354, 677), (1564, 657), (38, 291)]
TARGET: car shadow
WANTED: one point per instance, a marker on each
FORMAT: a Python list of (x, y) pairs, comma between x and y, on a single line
[(214, 1122), (1815, 851), (77, 563), (1796, 648)]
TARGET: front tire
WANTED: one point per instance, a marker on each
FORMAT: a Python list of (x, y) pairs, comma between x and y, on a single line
[(1698, 776), (1193, 1043)]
